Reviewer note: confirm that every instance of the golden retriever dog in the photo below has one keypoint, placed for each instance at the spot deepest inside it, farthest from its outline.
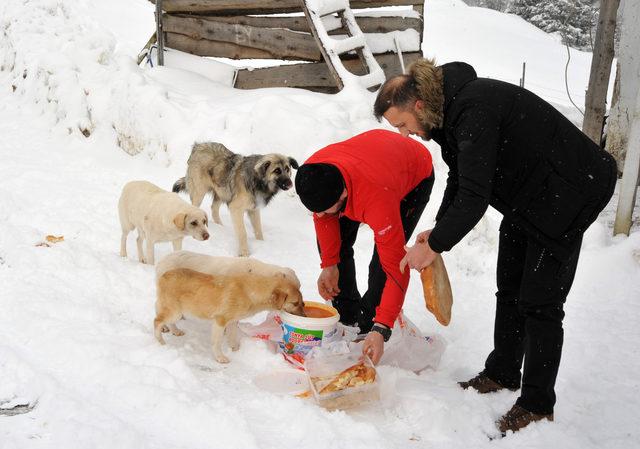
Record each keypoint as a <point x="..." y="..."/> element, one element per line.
<point x="159" y="216"/>
<point x="223" y="290"/>
<point x="244" y="183"/>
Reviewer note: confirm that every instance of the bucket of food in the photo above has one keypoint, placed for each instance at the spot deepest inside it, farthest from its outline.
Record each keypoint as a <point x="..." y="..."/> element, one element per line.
<point x="300" y="334"/>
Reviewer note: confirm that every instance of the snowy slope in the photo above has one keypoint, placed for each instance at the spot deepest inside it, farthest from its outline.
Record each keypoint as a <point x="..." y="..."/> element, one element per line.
<point x="76" y="324"/>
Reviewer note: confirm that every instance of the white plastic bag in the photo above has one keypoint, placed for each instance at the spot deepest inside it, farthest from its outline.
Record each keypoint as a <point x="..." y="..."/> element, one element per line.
<point x="408" y="348"/>
<point x="269" y="330"/>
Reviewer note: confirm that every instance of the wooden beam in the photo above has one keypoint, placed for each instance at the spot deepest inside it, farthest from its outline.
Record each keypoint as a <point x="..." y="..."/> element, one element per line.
<point x="239" y="7"/>
<point x="278" y="42"/>
<point x="420" y="10"/>
<point x="159" y="32"/>
<point x="315" y="76"/>
<point x="204" y="47"/>
<point x="299" y="23"/>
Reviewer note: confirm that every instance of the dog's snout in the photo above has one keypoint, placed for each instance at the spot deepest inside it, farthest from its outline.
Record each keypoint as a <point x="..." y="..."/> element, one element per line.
<point x="285" y="184"/>
<point x="205" y="236"/>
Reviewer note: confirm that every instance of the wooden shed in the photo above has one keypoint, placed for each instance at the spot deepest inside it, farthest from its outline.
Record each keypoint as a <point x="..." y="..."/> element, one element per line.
<point x="284" y="30"/>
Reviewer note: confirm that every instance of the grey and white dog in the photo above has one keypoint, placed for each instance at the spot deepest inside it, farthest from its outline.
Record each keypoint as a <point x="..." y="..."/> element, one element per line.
<point x="244" y="183"/>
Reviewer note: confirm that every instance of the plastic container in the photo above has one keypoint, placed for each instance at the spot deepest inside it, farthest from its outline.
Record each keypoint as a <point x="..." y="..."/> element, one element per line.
<point x="288" y="382"/>
<point x="301" y="334"/>
<point x="343" y="381"/>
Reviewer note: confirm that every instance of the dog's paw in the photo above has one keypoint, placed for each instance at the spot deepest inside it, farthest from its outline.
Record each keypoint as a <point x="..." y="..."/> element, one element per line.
<point x="234" y="347"/>
<point x="165" y="328"/>
<point x="177" y="332"/>
<point x="222" y="359"/>
<point x="243" y="253"/>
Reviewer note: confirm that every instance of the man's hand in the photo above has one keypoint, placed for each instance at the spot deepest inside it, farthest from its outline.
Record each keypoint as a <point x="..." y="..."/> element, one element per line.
<point x="328" y="282"/>
<point x="423" y="237"/>
<point x="373" y="346"/>
<point x="420" y="255"/>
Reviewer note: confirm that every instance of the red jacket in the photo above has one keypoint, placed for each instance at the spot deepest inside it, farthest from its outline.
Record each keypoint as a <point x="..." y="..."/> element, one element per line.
<point x="379" y="169"/>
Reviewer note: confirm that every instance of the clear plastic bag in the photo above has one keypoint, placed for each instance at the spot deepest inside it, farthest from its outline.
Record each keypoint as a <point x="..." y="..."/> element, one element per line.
<point x="408" y="348"/>
<point x="269" y="330"/>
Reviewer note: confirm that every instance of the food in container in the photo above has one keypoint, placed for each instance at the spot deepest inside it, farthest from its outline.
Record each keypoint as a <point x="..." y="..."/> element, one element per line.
<point x="343" y="381"/>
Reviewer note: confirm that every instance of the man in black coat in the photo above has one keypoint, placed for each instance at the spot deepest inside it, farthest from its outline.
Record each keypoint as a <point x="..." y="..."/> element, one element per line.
<point x="507" y="148"/>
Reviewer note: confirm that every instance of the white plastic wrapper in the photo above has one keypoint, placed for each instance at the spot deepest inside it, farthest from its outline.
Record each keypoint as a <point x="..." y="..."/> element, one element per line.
<point x="407" y="348"/>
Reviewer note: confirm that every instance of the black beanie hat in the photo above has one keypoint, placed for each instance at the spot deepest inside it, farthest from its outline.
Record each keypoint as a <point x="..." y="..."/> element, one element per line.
<point x="319" y="186"/>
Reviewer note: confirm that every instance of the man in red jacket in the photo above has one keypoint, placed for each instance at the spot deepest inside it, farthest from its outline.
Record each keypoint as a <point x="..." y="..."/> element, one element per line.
<point x="384" y="180"/>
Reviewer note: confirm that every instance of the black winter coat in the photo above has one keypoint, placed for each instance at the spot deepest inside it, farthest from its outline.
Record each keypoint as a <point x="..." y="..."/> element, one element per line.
<point x="508" y="148"/>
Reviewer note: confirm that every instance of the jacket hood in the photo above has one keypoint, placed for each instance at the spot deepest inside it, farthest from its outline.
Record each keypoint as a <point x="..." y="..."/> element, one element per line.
<point x="437" y="87"/>
<point x="455" y="76"/>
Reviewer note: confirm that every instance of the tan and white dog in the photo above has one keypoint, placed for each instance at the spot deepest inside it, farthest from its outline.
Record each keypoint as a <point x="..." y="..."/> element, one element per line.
<point x="223" y="290"/>
<point x="159" y="216"/>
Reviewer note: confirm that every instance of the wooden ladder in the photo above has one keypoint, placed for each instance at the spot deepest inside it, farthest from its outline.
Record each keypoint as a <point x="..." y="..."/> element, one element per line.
<point x="320" y="15"/>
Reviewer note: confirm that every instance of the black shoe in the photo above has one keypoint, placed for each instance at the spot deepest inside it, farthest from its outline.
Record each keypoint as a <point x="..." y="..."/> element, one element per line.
<point x="483" y="384"/>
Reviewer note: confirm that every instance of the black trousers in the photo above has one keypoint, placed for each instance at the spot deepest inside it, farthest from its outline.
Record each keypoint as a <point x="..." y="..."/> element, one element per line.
<point x="533" y="284"/>
<point x="360" y="310"/>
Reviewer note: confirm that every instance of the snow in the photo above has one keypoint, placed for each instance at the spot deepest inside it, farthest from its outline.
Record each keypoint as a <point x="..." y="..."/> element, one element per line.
<point x="76" y="338"/>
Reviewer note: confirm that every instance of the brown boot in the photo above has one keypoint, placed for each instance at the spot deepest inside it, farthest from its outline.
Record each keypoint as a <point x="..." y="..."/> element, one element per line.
<point x="482" y="384"/>
<point x="517" y="418"/>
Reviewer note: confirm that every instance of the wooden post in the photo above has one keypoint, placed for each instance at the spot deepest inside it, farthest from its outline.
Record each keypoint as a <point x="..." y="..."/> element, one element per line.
<point x="159" y="32"/>
<point x="630" y="175"/>
<point x="420" y="10"/>
<point x="596" y="98"/>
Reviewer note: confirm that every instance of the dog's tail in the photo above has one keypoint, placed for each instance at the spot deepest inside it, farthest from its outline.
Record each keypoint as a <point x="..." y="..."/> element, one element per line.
<point x="180" y="185"/>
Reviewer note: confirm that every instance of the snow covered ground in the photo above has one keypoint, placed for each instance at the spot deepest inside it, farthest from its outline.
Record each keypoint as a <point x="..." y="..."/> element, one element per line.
<point x="76" y="337"/>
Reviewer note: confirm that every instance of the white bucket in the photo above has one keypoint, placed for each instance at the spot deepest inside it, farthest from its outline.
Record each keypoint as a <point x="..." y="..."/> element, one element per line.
<point x="301" y="334"/>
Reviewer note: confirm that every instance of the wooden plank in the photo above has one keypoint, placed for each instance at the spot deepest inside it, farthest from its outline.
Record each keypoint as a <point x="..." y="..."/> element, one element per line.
<point x="279" y="43"/>
<point x="204" y="47"/>
<point x="238" y="7"/>
<point x="315" y="76"/>
<point x="299" y="23"/>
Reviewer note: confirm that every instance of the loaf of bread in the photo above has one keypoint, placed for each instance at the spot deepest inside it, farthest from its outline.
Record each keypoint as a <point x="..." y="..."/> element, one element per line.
<point x="437" y="290"/>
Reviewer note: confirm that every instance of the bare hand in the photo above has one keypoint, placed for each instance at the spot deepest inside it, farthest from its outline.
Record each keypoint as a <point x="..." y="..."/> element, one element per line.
<point x="373" y="346"/>
<point x="420" y="255"/>
<point x="328" y="282"/>
<point x="423" y="237"/>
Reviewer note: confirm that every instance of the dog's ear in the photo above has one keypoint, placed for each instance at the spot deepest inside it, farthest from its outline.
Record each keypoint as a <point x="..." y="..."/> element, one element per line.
<point x="179" y="220"/>
<point x="293" y="163"/>
<point x="278" y="297"/>
<point x="262" y="166"/>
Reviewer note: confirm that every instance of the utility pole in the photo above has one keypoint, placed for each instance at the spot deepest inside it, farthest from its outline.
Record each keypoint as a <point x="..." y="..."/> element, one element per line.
<point x="623" y="130"/>
<point x="596" y="98"/>
<point x="630" y="175"/>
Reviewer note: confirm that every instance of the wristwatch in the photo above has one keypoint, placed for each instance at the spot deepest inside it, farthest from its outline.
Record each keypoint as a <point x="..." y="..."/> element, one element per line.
<point x="382" y="330"/>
